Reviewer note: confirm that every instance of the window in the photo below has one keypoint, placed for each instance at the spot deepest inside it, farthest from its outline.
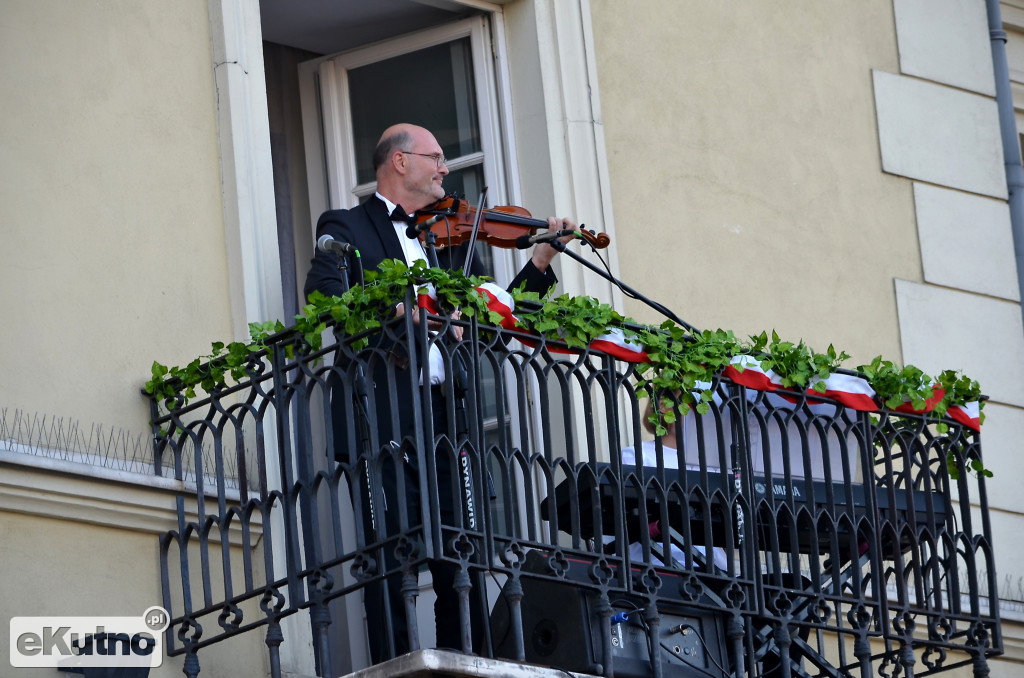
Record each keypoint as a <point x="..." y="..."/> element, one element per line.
<point x="440" y="79"/>
<point x="438" y="91"/>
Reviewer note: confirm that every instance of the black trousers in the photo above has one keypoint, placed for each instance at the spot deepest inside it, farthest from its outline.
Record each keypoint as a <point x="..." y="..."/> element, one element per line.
<point x="383" y="598"/>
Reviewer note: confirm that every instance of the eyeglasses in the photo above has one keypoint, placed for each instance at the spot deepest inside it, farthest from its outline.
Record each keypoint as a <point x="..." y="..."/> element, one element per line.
<point x="436" y="157"/>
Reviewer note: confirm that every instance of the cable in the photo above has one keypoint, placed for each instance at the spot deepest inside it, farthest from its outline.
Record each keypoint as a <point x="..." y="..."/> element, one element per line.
<point x="632" y="294"/>
<point x="633" y="607"/>
<point x="508" y="610"/>
<point x="694" y="666"/>
<point x="629" y="604"/>
<point x="707" y="650"/>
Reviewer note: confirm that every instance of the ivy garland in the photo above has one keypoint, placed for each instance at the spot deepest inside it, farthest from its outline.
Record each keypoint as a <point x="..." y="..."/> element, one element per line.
<point x="680" y="362"/>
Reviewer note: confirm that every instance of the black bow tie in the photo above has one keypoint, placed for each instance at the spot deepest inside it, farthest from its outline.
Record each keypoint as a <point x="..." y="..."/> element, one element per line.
<point x="398" y="214"/>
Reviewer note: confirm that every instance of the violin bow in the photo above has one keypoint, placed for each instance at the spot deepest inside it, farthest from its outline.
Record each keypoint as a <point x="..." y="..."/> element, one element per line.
<point x="476" y="230"/>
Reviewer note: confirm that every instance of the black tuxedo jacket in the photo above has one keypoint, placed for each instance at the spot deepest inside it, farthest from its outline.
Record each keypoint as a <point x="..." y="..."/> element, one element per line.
<point x="368" y="228"/>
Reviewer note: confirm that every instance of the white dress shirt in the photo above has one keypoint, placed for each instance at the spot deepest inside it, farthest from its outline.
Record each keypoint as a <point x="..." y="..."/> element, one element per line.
<point x="413" y="250"/>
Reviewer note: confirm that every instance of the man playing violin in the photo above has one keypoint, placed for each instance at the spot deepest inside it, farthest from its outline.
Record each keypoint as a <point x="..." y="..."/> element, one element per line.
<point x="410" y="169"/>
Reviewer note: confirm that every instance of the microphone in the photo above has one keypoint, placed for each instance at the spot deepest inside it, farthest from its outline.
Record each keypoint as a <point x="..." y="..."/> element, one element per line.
<point x="328" y="244"/>
<point x="414" y="230"/>
<point x="524" y="241"/>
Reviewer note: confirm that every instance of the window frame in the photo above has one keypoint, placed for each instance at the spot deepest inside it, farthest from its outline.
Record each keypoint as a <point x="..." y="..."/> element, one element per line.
<point x="327" y="123"/>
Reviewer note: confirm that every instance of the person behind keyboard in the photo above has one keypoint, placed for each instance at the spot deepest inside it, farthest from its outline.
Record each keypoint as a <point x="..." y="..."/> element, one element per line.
<point x="771" y="664"/>
<point x="670" y="459"/>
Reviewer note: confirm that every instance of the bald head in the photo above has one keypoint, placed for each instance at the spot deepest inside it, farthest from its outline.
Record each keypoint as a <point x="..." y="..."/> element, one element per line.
<point x="394" y="138"/>
<point x="406" y="172"/>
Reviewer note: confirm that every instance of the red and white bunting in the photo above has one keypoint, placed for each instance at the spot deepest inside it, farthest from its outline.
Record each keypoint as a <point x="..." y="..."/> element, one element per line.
<point x="427" y="298"/>
<point x="615" y="344"/>
<point x="746" y="371"/>
<point x="849" y="390"/>
<point x="968" y="414"/>
<point x="852" y="391"/>
<point x="501" y="302"/>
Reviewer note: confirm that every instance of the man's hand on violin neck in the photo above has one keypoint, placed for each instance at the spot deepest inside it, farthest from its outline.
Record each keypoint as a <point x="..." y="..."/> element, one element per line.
<point x="544" y="253"/>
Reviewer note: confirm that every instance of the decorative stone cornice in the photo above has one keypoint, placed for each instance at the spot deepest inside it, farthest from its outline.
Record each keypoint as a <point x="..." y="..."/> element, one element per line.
<point x="66" y="490"/>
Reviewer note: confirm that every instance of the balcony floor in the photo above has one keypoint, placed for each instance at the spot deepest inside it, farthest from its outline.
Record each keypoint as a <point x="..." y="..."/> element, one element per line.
<point x="445" y="663"/>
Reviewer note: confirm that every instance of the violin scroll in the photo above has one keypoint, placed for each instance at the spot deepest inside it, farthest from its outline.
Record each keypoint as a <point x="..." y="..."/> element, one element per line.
<point x="597" y="240"/>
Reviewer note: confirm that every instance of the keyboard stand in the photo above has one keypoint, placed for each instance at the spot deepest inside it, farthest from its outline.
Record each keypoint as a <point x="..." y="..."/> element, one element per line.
<point x="764" y="637"/>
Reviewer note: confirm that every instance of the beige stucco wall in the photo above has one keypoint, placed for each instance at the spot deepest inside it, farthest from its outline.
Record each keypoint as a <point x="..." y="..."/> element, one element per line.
<point x="744" y="162"/>
<point x="745" y="147"/>
<point x="75" y="545"/>
<point x="743" y="159"/>
<point x="111" y="224"/>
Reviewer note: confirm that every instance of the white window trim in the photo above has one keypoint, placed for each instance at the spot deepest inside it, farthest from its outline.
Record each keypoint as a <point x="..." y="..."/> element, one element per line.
<point x="247" y="177"/>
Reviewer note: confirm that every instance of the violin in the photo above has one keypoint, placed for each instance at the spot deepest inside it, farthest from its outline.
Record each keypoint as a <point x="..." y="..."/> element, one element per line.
<point x="500" y="226"/>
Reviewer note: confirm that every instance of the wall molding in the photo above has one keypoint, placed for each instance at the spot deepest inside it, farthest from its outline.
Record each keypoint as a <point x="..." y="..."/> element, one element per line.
<point x="72" y="491"/>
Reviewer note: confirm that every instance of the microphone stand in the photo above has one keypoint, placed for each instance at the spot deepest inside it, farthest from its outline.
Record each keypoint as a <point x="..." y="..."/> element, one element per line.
<point x="362" y="396"/>
<point x="343" y="272"/>
<point x="560" y="246"/>
<point x="362" y="400"/>
<point x="343" y="268"/>
<point x="458" y="381"/>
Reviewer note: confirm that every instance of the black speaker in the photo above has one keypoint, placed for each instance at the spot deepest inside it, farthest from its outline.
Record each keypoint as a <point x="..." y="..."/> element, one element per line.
<point x="557" y="628"/>
<point x="561" y="630"/>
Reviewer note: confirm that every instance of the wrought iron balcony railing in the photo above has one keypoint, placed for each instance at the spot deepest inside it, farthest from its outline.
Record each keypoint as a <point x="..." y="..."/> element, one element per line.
<point x="774" y="535"/>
